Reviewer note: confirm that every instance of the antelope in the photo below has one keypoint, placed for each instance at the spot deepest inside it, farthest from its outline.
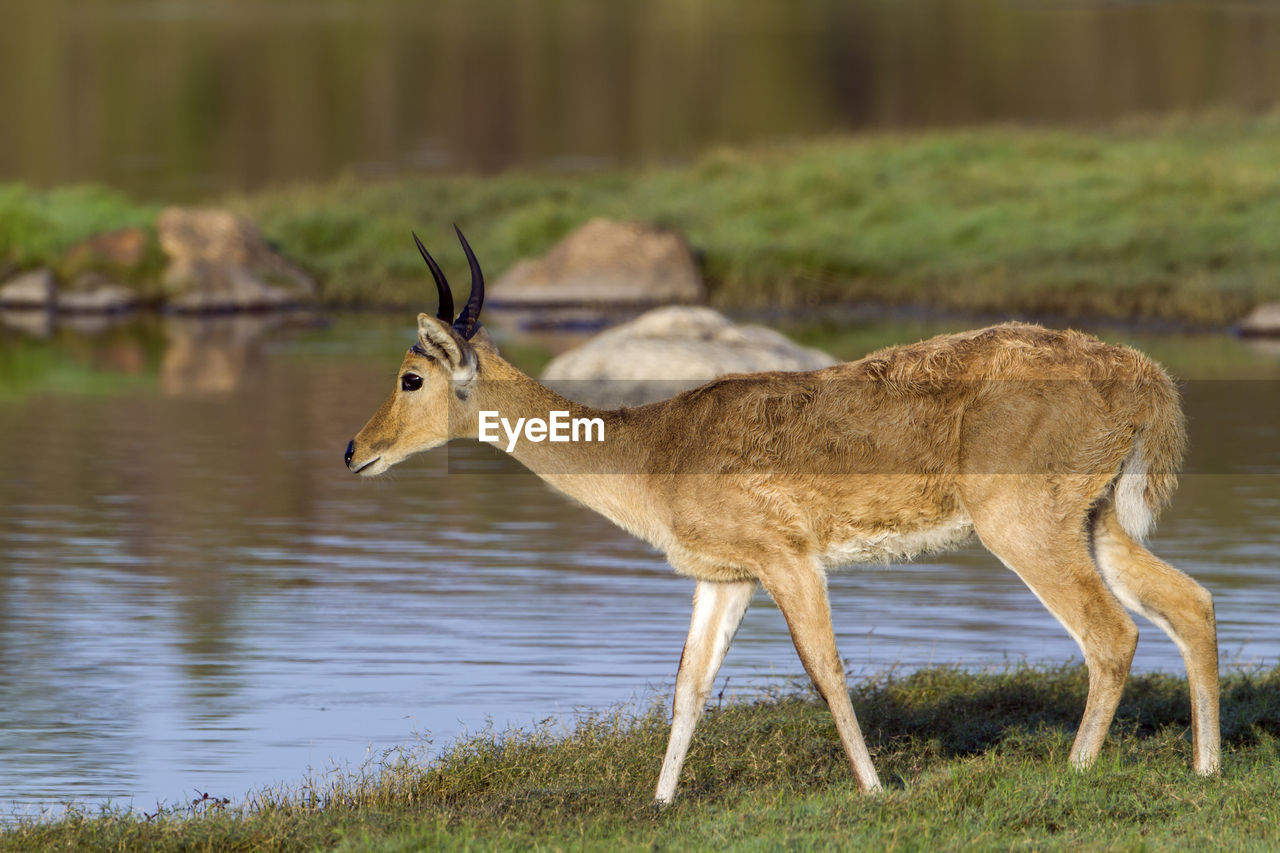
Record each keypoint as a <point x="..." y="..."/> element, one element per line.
<point x="1056" y="449"/>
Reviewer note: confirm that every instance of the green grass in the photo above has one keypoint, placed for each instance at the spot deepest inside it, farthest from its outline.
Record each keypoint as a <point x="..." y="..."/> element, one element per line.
<point x="969" y="761"/>
<point x="36" y="225"/>
<point x="1173" y="220"/>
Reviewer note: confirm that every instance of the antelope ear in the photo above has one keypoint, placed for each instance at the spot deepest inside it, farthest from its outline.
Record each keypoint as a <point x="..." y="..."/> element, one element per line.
<point x="447" y="346"/>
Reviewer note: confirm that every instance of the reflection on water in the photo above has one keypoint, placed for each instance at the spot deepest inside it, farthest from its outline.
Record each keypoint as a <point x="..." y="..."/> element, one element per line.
<point x="35" y="322"/>
<point x="205" y="355"/>
<point x="189" y="100"/>
<point x="196" y="595"/>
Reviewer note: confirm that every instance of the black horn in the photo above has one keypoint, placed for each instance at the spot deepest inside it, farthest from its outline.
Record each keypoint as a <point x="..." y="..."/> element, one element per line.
<point x="465" y="325"/>
<point x="442" y="284"/>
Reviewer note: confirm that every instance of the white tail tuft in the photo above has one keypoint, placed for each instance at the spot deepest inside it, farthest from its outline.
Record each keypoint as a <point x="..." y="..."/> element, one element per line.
<point x="1136" y="516"/>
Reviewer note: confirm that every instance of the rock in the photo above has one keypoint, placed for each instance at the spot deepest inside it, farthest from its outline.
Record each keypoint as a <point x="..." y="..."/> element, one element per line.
<point x="230" y="289"/>
<point x="219" y="261"/>
<point x="1263" y="321"/>
<point x="31" y="289"/>
<point x="95" y="293"/>
<point x="605" y="262"/>
<point x="669" y="350"/>
<point x="123" y="250"/>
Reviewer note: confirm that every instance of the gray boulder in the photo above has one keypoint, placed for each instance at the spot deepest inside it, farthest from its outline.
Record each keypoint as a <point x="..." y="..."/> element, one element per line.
<point x="219" y="261"/>
<point x="669" y="350"/>
<point x="32" y="289"/>
<point x="605" y="263"/>
<point x="1263" y="321"/>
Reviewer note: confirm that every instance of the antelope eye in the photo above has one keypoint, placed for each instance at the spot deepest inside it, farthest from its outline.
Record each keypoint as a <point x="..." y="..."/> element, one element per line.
<point x="410" y="382"/>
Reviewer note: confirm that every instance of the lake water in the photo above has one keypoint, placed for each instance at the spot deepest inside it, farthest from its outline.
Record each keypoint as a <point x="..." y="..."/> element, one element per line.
<point x="179" y="100"/>
<point x="196" y="596"/>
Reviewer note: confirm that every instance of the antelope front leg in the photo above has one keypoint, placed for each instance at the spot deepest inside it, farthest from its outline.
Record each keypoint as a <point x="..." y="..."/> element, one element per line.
<point x="800" y="591"/>
<point x="717" y="612"/>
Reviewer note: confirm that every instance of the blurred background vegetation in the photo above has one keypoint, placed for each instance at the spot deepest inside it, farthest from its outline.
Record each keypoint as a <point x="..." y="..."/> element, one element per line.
<point x="1061" y="161"/>
<point x="1084" y="159"/>
<point x="179" y="100"/>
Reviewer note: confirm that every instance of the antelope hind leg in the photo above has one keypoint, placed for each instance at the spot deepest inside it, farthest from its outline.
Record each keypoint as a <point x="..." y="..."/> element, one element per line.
<point x="1069" y="586"/>
<point x="1182" y="608"/>
<point x="1024" y="529"/>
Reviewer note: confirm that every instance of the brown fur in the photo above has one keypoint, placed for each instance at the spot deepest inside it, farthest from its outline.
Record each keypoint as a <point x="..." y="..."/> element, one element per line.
<point x="1051" y="446"/>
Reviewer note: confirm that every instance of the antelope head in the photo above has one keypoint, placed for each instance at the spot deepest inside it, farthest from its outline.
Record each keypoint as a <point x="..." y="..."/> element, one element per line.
<point x="431" y="403"/>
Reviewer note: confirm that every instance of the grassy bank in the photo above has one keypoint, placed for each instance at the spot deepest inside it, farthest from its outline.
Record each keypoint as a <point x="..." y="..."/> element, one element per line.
<point x="969" y="761"/>
<point x="1172" y="220"/>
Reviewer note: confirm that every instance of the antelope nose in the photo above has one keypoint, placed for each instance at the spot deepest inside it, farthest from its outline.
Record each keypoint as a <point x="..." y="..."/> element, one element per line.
<point x="351" y="451"/>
